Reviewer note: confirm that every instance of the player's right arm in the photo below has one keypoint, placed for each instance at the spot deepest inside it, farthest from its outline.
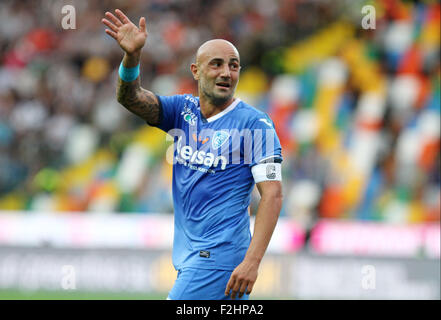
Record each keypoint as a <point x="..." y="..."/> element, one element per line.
<point x="131" y="39"/>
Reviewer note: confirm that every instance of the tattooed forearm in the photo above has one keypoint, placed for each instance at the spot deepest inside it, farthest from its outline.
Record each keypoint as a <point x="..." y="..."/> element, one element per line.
<point x="141" y="102"/>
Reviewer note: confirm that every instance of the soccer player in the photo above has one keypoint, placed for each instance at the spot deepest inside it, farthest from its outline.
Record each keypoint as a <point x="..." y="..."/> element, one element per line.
<point x="223" y="147"/>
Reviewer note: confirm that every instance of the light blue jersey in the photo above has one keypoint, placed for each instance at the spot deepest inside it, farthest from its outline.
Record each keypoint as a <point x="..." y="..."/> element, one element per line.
<point x="212" y="178"/>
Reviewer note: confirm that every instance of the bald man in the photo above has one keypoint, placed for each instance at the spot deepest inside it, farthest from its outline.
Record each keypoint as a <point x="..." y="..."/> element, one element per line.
<point x="223" y="147"/>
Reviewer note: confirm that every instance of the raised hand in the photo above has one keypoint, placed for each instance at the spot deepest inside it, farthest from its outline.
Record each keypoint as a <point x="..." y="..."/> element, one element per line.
<point x="130" y="37"/>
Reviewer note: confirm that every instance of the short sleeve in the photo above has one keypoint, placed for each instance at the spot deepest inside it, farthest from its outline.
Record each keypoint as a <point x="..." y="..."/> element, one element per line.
<point x="170" y="108"/>
<point x="266" y="144"/>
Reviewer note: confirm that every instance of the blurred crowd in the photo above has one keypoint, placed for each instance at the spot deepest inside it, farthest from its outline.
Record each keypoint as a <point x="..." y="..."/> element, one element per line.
<point x="357" y="110"/>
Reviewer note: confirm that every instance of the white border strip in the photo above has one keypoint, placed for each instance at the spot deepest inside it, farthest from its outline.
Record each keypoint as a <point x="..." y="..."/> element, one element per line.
<point x="225" y="111"/>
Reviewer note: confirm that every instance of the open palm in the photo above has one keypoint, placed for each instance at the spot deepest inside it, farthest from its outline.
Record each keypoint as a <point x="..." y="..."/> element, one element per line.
<point x="130" y="37"/>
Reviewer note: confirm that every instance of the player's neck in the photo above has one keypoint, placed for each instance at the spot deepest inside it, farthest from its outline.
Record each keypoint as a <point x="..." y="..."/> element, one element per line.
<point x="208" y="109"/>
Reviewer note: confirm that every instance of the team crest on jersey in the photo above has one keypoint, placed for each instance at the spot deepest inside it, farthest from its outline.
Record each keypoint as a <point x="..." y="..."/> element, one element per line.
<point x="219" y="138"/>
<point x="189" y="116"/>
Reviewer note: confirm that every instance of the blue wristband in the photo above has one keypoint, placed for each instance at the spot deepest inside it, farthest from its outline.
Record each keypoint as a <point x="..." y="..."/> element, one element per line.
<point x="128" y="74"/>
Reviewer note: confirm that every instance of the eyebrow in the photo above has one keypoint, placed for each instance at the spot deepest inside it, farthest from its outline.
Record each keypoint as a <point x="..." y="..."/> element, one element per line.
<point x="220" y="59"/>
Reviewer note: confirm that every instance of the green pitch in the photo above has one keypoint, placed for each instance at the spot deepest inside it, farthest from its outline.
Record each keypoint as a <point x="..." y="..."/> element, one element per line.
<point x="76" y="295"/>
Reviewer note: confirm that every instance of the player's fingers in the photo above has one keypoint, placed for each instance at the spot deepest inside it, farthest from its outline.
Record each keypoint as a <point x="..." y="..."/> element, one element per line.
<point x="235" y="289"/>
<point x="142" y="25"/>
<point x="112" y="34"/>
<point x="250" y="287"/>
<point x="114" y="19"/>
<point x="230" y="285"/>
<point x="242" y="288"/>
<point x="110" y="25"/>
<point x="122" y="16"/>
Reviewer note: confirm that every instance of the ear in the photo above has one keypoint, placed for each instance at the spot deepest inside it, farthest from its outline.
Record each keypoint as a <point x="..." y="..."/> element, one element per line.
<point x="195" y="71"/>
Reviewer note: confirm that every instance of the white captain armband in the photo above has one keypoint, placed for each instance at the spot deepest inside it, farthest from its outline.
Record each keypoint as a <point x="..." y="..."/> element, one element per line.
<point x="267" y="171"/>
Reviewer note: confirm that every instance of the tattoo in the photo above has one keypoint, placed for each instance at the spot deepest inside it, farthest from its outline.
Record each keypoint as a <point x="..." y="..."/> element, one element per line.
<point x="141" y="102"/>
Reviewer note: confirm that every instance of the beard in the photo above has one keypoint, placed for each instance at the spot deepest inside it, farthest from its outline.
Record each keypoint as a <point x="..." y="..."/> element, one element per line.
<point x="216" y="98"/>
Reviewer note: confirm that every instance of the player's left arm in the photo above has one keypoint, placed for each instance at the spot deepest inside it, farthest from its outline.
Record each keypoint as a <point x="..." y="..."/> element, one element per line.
<point x="245" y="274"/>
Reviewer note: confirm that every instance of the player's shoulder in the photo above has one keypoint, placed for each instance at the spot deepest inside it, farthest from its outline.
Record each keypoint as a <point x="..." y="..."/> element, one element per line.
<point x="186" y="99"/>
<point x="250" y="112"/>
<point x="191" y="99"/>
<point x="253" y="115"/>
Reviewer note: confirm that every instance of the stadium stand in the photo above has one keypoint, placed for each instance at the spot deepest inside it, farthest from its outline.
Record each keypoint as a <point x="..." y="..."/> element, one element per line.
<point x="357" y="111"/>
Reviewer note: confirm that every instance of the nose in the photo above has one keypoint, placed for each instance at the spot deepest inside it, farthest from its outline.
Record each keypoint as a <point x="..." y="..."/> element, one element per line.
<point x="225" y="72"/>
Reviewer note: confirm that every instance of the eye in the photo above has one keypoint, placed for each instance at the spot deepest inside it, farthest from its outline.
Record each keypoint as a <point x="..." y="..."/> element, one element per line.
<point x="216" y="64"/>
<point x="234" y="66"/>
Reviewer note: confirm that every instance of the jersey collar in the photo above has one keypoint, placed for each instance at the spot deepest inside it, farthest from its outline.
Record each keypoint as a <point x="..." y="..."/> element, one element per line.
<point x="225" y="111"/>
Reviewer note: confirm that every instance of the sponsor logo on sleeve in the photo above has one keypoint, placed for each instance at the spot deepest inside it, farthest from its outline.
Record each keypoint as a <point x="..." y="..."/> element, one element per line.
<point x="189" y="116"/>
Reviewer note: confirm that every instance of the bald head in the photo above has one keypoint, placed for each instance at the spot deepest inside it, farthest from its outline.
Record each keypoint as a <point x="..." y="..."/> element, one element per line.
<point x="211" y="47"/>
<point x="216" y="69"/>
